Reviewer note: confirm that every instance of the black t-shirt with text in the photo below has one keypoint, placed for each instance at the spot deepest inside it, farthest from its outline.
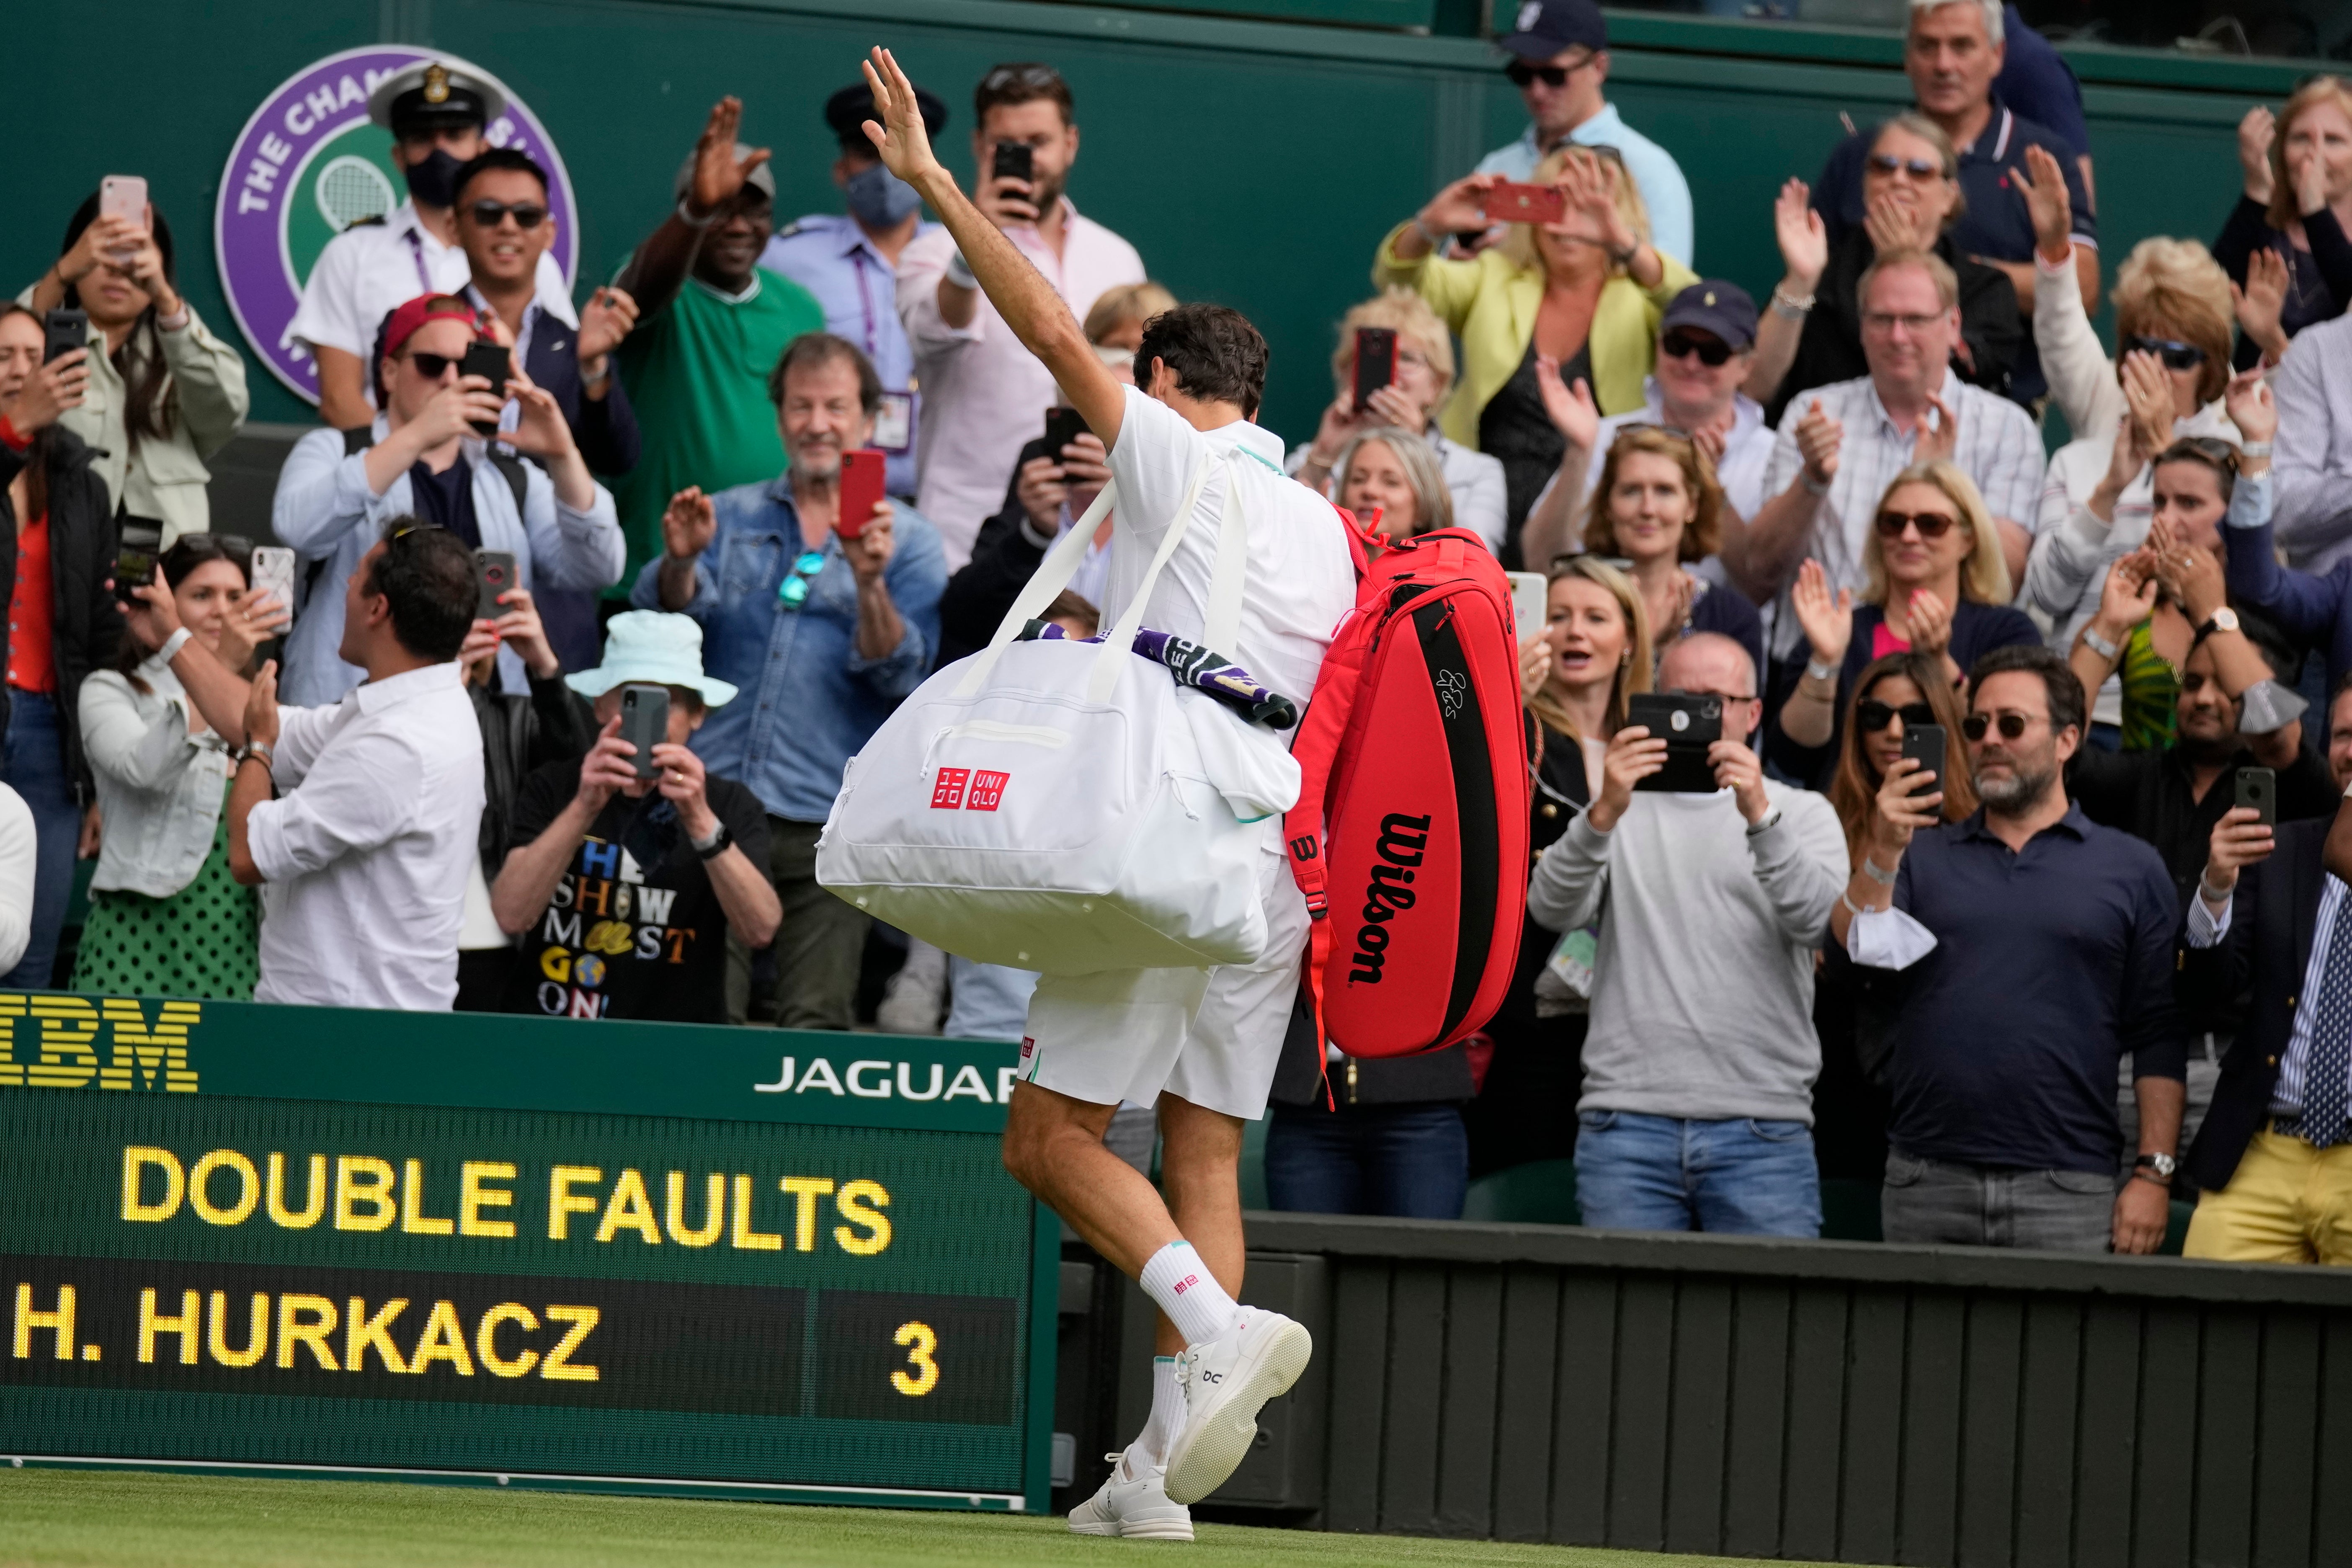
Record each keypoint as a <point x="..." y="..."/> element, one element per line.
<point x="634" y="928"/>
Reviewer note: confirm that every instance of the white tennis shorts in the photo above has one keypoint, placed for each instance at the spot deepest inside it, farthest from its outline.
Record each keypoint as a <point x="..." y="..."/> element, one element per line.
<point x="1212" y="1037"/>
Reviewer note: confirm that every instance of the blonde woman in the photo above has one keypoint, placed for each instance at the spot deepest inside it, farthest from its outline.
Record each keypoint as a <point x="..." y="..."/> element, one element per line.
<point x="1936" y="584"/>
<point x="2286" y="243"/>
<point x="1394" y="473"/>
<point x="1583" y="295"/>
<point x="1594" y="652"/>
<point x="1422" y="377"/>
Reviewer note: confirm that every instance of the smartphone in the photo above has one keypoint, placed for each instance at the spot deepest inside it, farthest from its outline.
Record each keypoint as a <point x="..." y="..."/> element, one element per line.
<point x="134" y="558"/>
<point x="1062" y="425"/>
<point x="489" y="361"/>
<point x="1924" y="744"/>
<point x="862" y="482"/>
<point x="2258" y="787"/>
<point x="645" y="723"/>
<point x="1688" y="725"/>
<point x="1014" y="161"/>
<point x="494" y="574"/>
<point x="1512" y="202"/>
<point x="64" y="330"/>
<point x="123" y="196"/>
<point x="1530" y="602"/>
<point x="273" y="573"/>
<point x="1375" y="362"/>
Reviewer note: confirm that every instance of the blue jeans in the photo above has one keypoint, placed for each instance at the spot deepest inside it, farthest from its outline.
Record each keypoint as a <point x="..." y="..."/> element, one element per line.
<point x="1743" y="1177"/>
<point x="1408" y="1161"/>
<point x="36" y="770"/>
<point x="990" y="1001"/>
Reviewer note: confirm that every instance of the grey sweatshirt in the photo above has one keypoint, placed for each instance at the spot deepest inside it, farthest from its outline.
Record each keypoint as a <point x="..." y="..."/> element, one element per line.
<point x="1703" y="981"/>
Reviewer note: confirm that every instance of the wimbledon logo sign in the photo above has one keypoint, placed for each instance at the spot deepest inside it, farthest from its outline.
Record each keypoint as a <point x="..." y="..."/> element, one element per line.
<point x="307" y="166"/>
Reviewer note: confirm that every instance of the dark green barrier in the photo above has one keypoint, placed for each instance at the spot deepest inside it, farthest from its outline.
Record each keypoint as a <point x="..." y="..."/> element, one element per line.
<point x="730" y="1261"/>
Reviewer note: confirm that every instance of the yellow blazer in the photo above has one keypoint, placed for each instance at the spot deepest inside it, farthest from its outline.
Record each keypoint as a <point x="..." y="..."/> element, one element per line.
<point x="1491" y="304"/>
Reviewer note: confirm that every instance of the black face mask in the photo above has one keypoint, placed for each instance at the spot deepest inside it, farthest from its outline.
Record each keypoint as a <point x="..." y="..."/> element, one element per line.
<point x="434" y="182"/>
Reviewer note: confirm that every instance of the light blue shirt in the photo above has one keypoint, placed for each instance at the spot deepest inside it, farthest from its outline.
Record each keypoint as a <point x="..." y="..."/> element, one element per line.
<point x="805" y="701"/>
<point x="1655" y="175"/>
<point x="828" y="254"/>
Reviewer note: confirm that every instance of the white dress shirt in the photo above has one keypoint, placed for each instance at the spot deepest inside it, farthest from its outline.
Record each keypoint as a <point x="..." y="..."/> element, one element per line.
<point x="363" y="854"/>
<point x="984" y="396"/>
<point x="1997" y="448"/>
<point x="371" y="269"/>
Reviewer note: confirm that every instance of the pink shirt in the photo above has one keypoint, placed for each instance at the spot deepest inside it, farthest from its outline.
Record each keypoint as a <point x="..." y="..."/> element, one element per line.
<point x="984" y="396"/>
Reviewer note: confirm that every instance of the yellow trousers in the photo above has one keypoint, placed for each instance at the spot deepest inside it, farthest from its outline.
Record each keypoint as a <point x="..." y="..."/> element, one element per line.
<point x="2287" y="1203"/>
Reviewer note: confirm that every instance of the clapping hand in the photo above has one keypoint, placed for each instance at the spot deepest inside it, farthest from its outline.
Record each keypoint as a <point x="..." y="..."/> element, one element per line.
<point x="1929" y="621"/>
<point x="1804" y="242"/>
<point x="1827" y="619"/>
<point x="2128" y="597"/>
<point x="1819" y="438"/>
<point x="689" y="524"/>
<point x="719" y="173"/>
<point x="1573" y="413"/>
<point x="2047" y="204"/>
<point x="2258" y="305"/>
<point x="608" y="318"/>
<point x="1937" y="442"/>
<point x="2254" y="134"/>
<point x="2252" y="409"/>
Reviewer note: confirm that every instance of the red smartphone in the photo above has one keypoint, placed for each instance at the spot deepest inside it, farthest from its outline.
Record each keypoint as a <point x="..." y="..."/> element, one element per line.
<point x="861" y="490"/>
<point x="1509" y="203"/>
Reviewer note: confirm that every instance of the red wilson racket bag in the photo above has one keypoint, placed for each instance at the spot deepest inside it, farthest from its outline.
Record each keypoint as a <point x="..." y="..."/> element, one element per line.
<point x="1410" y="837"/>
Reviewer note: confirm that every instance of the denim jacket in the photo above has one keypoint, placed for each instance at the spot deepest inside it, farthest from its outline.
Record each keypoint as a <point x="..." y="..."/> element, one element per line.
<point x="159" y="787"/>
<point x="807" y="701"/>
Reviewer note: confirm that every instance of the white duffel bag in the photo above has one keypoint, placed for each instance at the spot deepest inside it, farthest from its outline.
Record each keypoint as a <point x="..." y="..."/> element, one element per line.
<point x="1067" y="806"/>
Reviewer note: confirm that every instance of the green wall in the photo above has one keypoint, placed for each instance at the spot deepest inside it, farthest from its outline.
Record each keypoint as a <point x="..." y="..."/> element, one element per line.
<point x="1256" y="164"/>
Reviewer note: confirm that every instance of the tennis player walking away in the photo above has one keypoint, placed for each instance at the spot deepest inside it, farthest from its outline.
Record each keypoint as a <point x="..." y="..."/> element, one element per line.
<point x="1203" y="1045"/>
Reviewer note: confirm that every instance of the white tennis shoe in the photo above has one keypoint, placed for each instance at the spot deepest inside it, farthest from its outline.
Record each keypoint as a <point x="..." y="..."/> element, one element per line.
<point x="1132" y="1502"/>
<point x="1226" y="1381"/>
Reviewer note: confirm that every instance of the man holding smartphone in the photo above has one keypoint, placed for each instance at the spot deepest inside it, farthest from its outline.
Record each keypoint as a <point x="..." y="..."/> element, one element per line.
<point x="983" y="391"/>
<point x="1701" y="1056"/>
<point x="826" y="622"/>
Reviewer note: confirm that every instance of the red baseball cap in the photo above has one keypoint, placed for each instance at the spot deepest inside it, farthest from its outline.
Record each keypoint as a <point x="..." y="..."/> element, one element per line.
<point x="402" y="324"/>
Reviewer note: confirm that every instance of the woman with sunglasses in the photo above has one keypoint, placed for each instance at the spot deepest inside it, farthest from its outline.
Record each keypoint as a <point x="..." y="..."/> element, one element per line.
<point x="165" y="918"/>
<point x="1574" y="680"/>
<point x="1582" y="293"/>
<point x="1657" y="506"/>
<point x="1892" y="695"/>
<point x="1936" y="584"/>
<point x="1811" y="335"/>
<point x="2287" y="236"/>
<point x="164" y="393"/>
<point x="2153" y="601"/>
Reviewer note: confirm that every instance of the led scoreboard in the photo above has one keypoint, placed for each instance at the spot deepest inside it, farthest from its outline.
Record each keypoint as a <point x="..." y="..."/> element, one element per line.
<point x="519" y="1251"/>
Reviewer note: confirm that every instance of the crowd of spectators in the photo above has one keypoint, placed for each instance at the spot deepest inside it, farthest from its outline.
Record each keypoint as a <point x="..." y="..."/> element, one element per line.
<point x="551" y="711"/>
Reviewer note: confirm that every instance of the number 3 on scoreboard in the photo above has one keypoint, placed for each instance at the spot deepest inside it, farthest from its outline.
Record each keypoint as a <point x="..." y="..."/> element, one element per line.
<point x="920" y="1341"/>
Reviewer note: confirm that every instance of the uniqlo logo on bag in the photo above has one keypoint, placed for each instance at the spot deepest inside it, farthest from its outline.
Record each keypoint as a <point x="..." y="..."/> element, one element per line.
<point x="947" y="794"/>
<point x="987" y="790"/>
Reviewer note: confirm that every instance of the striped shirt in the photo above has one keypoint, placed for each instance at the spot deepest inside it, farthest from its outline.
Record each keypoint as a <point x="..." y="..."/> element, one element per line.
<point x="2207" y="929"/>
<point x="1997" y="448"/>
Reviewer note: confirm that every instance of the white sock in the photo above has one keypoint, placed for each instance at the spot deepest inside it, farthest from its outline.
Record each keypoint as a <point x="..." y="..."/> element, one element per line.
<point x="1181" y="1285"/>
<point x="1167" y="1412"/>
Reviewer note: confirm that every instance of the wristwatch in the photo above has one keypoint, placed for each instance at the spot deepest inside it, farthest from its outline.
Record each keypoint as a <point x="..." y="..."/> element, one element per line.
<point x="2224" y="619"/>
<point x="717" y="846"/>
<point x="261" y="749"/>
<point x="2162" y="1165"/>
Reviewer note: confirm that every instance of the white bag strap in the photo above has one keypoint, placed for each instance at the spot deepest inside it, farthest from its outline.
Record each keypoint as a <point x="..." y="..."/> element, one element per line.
<point x="1121" y="641"/>
<point x="1222" y="628"/>
<point x="1052" y="575"/>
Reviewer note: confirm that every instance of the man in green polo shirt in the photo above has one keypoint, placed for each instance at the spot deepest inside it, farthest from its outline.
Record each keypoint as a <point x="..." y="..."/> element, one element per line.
<point x="711" y="327"/>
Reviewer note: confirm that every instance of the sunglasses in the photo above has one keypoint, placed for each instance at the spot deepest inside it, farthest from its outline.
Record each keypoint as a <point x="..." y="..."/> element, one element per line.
<point x="526" y="215"/>
<point x="2175" y="356"/>
<point x="1523" y="73"/>
<point x="231" y="543"/>
<point x="2011" y="725"/>
<point x="1712" y="351"/>
<point x="1930" y="524"/>
<point x="1873" y="715"/>
<point x="433" y="367"/>
<point x="793" y="591"/>
<point x="1918" y="168"/>
<point x="1031" y="77"/>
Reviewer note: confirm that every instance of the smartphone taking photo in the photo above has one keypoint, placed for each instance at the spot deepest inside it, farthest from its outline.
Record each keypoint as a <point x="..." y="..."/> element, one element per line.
<point x="124" y="197"/>
<point x="489" y="361"/>
<point x="1924" y="744"/>
<point x="272" y="573"/>
<point x="1014" y="161"/>
<point x="1062" y="425"/>
<point x="135" y="558"/>
<point x="1530" y="602"/>
<point x="2258" y="788"/>
<point x="645" y="723"/>
<point x="863" y="483"/>
<point x="494" y="574"/>
<point x="1375" y="363"/>
<point x="1688" y="725"/>
<point x="1514" y="203"/>
<point x="62" y="332"/>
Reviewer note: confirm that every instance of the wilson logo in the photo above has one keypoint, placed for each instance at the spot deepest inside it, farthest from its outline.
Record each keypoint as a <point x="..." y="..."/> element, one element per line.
<point x="965" y="789"/>
<point x="1403" y="839"/>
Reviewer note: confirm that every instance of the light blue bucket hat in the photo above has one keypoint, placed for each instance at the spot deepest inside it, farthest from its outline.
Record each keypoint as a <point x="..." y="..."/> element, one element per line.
<point x="655" y="649"/>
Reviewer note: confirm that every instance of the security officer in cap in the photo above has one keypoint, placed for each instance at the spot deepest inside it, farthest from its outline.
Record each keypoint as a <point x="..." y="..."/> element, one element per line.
<point x="851" y="263"/>
<point x="437" y="112"/>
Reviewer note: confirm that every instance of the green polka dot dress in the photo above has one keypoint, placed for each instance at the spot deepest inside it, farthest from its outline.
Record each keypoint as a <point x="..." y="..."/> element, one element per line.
<point x="203" y="942"/>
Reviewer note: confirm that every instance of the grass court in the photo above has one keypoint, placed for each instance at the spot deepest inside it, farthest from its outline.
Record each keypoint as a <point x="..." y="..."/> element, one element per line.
<point x="125" y="1519"/>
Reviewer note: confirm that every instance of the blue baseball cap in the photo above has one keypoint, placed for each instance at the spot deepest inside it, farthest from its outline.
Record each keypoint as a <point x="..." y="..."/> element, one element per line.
<point x="1714" y="305"/>
<point x="1544" y="27"/>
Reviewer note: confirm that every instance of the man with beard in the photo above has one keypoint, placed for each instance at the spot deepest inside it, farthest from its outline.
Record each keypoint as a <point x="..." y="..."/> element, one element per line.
<point x="2013" y="958"/>
<point x="823" y="634"/>
<point x="710" y="326"/>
